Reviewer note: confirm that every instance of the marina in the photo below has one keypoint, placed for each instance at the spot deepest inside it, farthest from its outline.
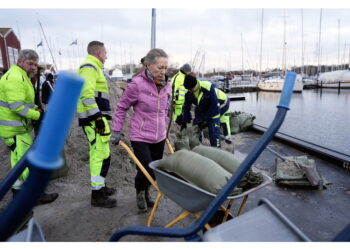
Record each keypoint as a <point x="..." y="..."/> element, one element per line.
<point x="301" y="126"/>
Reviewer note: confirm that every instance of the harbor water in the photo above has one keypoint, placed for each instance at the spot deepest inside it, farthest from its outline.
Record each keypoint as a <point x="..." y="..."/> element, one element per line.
<point x="318" y="116"/>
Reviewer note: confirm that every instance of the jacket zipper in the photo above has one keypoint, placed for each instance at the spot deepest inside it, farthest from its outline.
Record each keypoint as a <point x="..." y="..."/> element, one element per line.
<point x="157" y="115"/>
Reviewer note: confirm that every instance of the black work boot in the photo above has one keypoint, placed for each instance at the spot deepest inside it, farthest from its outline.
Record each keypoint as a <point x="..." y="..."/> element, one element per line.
<point x="47" y="198"/>
<point x="141" y="201"/>
<point x="149" y="201"/>
<point x="100" y="199"/>
<point x="108" y="190"/>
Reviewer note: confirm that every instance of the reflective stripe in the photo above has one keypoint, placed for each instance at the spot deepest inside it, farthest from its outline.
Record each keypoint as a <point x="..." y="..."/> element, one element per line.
<point x="89" y="101"/>
<point x="106" y="112"/>
<point x="97" y="187"/>
<point x="11" y="123"/>
<point x="98" y="179"/>
<point x="18" y="184"/>
<point x="15" y="105"/>
<point x="24" y="111"/>
<point x="180" y="94"/>
<point x="4" y="104"/>
<point x="88" y="113"/>
<point x="223" y="105"/>
<point x="100" y="94"/>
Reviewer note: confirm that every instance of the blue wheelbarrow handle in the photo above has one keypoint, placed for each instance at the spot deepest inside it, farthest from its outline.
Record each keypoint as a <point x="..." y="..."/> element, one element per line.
<point x="44" y="155"/>
<point x="190" y="233"/>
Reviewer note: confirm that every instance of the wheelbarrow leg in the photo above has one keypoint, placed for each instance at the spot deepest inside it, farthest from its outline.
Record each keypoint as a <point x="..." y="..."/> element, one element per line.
<point x="154" y="209"/>
<point x="197" y="215"/>
<point x="182" y="216"/>
<point x="227" y="210"/>
<point x="241" y="208"/>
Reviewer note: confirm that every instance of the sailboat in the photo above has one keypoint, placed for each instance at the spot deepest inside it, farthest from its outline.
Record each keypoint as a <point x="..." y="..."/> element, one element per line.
<point x="275" y="82"/>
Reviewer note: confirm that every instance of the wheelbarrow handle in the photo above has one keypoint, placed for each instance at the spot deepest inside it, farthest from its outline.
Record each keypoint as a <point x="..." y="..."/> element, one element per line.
<point x="44" y="155"/>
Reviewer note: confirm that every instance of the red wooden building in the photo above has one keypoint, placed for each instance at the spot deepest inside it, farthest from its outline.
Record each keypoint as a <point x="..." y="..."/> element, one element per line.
<point x="9" y="48"/>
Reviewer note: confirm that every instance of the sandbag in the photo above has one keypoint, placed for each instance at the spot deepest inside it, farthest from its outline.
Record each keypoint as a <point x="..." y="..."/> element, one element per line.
<point x="297" y="171"/>
<point x="240" y="122"/>
<point x="197" y="170"/>
<point x="187" y="138"/>
<point x="230" y="163"/>
<point x="221" y="157"/>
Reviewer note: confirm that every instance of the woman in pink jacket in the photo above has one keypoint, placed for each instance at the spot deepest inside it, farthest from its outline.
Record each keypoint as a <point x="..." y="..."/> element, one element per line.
<point x="149" y="94"/>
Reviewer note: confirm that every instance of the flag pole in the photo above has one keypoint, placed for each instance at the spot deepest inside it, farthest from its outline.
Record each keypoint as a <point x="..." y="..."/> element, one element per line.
<point x="53" y="59"/>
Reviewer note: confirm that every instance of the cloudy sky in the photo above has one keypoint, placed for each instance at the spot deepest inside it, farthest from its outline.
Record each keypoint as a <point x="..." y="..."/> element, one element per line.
<point x="217" y="35"/>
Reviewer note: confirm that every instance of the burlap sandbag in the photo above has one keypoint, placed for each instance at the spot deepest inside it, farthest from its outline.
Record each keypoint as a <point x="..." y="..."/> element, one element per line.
<point x="221" y="157"/>
<point x="231" y="164"/>
<point x="196" y="169"/>
<point x="187" y="139"/>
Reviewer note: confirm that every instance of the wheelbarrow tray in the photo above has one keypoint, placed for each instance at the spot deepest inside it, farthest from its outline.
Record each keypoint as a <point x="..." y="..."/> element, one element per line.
<point x="188" y="196"/>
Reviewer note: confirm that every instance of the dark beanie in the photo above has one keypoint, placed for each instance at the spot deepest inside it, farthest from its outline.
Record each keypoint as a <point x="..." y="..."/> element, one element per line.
<point x="186" y="68"/>
<point x="190" y="82"/>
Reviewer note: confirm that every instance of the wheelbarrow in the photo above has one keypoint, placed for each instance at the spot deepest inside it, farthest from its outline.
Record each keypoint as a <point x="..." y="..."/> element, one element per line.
<point x="191" y="233"/>
<point x="42" y="159"/>
<point x="194" y="199"/>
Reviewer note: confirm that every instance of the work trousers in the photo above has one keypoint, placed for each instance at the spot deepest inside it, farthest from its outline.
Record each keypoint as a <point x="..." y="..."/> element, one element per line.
<point x="99" y="155"/>
<point x="213" y="126"/>
<point x="146" y="153"/>
<point x="19" y="145"/>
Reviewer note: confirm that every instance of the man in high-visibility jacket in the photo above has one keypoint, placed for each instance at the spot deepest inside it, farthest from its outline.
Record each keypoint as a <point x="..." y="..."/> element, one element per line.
<point x="18" y="111"/>
<point x="224" y="104"/>
<point x="179" y="91"/>
<point x="207" y="113"/>
<point x="94" y="111"/>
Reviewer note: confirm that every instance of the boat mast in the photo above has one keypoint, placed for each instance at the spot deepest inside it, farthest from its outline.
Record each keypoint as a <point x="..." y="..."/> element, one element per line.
<point x="319" y="45"/>
<point x="302" y="42"/>
<point x="261" y="40"/>
<point x="339" y="67"/>
<point x="242" y="54"/>
<point x="284" y="44"/>
<point x="153" y="29"/>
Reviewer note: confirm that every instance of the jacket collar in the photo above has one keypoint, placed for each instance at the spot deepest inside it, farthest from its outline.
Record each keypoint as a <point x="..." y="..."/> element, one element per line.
<point x="18" y="68"/>
<point x="94" y="60"/>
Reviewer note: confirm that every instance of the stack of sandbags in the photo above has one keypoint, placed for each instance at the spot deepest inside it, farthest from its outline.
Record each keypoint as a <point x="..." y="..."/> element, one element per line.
<point x="208" y="168"/>
<point x="197" y="170"/>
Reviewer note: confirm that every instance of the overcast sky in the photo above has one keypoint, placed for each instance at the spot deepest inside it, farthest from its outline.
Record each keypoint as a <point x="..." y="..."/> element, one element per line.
<point x="219" y="33"/>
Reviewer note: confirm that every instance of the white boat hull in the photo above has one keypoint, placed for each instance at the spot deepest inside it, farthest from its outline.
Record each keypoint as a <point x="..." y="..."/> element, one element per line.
<point x="276" y="85"/>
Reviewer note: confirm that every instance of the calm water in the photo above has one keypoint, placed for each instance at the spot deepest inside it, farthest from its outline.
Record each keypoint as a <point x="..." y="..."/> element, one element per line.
<point x="323" y="119"/>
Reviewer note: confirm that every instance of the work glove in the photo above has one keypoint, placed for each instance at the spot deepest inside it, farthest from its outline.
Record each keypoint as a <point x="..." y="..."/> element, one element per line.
<point x="115" y="137"/>
<point x="202" y="124"/>
<point x="99" y="126"/>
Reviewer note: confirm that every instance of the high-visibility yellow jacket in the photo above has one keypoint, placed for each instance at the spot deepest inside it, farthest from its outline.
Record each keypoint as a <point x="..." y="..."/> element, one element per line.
<point x="94" y="98"/>
<point x="17" y="107"/>
<point x="178" y="92"/>
<point x="222" y="97"/>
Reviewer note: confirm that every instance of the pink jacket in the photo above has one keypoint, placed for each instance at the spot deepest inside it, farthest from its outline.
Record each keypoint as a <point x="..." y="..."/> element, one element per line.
<point x="149" y="120"/>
